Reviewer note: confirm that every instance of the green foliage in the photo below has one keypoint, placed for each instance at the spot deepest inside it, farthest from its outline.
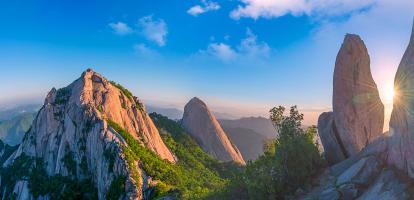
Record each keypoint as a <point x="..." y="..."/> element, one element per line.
<point x="100" y="108"/>
<point x="84" y="165"/>
<point x="87" y="127"/>
<point x="13" y="173"/>
<point x="62" y="96"/>
<point x="288" y="163"/>
<point x="69" y="162"/>
<point x="124" y="91"/>
<point x="59" y="187"/>
<point x="192" y="177"/>
<point x="110" y="157"/>
<point x="117" y="188"/>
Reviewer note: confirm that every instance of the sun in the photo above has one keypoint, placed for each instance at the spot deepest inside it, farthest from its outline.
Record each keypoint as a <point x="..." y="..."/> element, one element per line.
<point x="389" y="94"/>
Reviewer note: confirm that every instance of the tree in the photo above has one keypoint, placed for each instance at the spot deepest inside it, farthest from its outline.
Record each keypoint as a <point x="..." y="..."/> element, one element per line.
<point x="296" y="153"/>
<point x="289" y="161"/>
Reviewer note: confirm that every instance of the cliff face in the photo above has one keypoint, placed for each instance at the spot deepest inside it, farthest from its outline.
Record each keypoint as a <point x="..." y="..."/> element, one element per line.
<point x="70" y="134"/>
<point x="402" y="118"/>
<point x="201" y="124"/>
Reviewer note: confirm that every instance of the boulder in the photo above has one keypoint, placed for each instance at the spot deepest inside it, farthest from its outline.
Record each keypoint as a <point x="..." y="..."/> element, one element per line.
<point x="333" y="149"/>
<point x="358" y="112"/>
<point x="386" y="187"/>
<point x="362" y="172"/>
<point x="200" y="123"/>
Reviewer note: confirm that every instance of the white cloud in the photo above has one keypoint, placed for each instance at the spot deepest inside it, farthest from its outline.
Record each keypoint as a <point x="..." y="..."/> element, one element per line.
<point x="120" y="28"/>
<point x="248" y="48"/>
<point x="205" y="7"/>
<point x="277" y="8"/>
<point x="222" y="51"/>
<point x="251" y="48"/>
<point x="154" y="30"/>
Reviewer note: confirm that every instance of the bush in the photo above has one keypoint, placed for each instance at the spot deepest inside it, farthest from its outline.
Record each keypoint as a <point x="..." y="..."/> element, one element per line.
<point x="117" y="188"/>
<point x="288" y="163"/>
<point x="124" y="91"/>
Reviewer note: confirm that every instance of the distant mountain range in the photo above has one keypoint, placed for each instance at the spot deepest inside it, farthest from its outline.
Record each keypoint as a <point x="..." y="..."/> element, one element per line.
<point x="14" y="122"/>
<point x="13" y="130"/>
<point x="260" y="125"/>
<point x="174" y="113"/>
<point x="249" y="142"/>
<point x="10" y="113"/>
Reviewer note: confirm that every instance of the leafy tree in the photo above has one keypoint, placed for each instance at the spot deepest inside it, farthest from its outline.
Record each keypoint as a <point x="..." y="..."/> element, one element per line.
<point x="288" y="163"/>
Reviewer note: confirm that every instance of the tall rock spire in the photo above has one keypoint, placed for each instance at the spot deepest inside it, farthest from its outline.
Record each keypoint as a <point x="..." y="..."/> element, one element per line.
<point x="358" y="113"/>
<point x="358" y="110"/>
<point x="401" y="148"/>
<point x="201" y="124"/>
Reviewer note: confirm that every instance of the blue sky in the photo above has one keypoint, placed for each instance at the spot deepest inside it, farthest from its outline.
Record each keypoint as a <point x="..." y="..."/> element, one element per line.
<point x="241" y="57"/>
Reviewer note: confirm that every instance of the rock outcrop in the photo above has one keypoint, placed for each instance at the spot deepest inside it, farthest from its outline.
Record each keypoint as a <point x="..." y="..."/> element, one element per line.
<point x="358" y="113"/>
<point x="203" y="127"/>
<point x="72" y="127"/>
<point x="401" y="131"/>
<point x="333" y="149"/>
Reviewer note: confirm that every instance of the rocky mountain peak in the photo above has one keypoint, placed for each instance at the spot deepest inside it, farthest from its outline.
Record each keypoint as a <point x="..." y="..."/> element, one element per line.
<point x="202" y="125"/>
<point x="72" y="135"/>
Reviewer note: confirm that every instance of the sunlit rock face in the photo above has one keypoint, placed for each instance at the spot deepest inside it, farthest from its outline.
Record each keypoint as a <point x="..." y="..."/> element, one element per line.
<point x="73" y="120"/>
<point x="357" y="108"/>
<point x="401" y="150"/>
<point x="201" y="124"/>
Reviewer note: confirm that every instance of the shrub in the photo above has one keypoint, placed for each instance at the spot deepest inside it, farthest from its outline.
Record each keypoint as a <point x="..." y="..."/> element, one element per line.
<point x="288" y="163"/>
<point x="117" y="188"/>
<point x="124" y="91"/>
<point x="69" y="162"/>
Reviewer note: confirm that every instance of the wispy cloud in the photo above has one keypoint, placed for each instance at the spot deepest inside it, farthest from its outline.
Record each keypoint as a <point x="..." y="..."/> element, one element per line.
<point x="222" y="51"/>
<point x="248" y="48"/>
<point x="145" y="51"/>
<point x="154" y="30"/>
<point x="276" y="8"/>
<point x="203" y="8"/>
<point x="121" y="28"/>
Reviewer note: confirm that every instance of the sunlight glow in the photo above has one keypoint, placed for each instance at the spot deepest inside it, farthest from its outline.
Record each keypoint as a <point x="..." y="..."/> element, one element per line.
<point x="389" y="94"/>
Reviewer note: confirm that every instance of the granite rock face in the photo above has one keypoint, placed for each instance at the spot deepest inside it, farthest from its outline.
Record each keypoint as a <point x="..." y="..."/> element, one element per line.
<point x="73" y="121"/>
<point x="358" y="113"/>
<point x="357" y="107"/>
<point x="401" y="148"/>
<point x="203" y="127"/>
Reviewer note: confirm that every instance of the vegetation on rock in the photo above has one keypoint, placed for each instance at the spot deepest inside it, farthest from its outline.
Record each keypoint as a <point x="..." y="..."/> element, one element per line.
<point x="124" y="91"/>
<point x="196" y="175"/>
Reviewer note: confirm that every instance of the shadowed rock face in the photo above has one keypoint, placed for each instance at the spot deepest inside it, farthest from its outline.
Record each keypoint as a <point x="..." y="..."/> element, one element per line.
<point x="401" y="150"/>
<point x="73" y="120"/>
<point x="201" y="124"/>
<point x="358" y="113"/>
<point x="333" y="149"/>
